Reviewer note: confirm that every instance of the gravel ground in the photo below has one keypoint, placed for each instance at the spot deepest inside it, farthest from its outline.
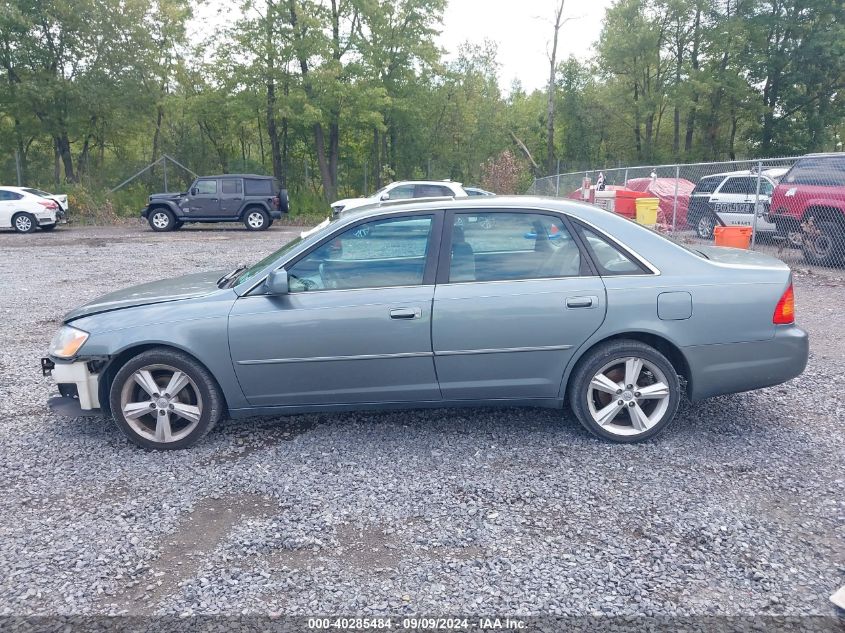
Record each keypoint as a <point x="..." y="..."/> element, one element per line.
<point x="738" y="508"/>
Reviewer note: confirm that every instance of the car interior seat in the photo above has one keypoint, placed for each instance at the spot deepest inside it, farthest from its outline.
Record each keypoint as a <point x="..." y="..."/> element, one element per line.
<point x="463" y="257"/>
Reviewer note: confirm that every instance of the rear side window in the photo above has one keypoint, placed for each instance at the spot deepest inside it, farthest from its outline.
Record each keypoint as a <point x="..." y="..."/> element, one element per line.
<point x="231" y="185"/>
<point x="739" y="185"/>
<point x="821" y="171"/>
<point x="707" y="185"/>
<point x="258" y="187"/>
<point x="432" y="191"/>
<point x="609" y="259"/>
<point x="511" y="246"/>
<point x="9" y="195"/>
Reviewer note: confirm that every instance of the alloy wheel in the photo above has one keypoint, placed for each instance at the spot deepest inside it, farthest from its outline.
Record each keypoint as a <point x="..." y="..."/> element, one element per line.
<point x="23" y="223"/>
<point x="160" y="220"/>
<point x="255" y="220"/>
<point x="704" y="228"/>
<point x="161" y="403"/>
<point x="628" y="396"/>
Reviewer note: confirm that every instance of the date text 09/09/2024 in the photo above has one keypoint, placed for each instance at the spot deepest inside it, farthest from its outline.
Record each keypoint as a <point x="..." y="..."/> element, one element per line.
<point x="417" y="623"/>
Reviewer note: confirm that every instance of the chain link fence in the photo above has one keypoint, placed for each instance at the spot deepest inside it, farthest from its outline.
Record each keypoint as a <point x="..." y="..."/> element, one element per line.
<point x="791" y="207"/>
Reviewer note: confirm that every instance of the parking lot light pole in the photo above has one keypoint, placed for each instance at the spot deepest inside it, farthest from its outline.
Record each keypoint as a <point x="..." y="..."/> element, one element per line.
<point x="756" y="204"/>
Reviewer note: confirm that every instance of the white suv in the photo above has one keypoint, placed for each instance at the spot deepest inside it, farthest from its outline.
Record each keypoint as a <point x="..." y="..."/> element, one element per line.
<point x="730" y="197"/>
<point x="404" y="190"/>
<point x="25" y="212"/>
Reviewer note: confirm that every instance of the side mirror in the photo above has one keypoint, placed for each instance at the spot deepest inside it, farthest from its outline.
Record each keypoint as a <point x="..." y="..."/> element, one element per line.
<point x="385" y="196"/>
<point x="194" y="191"/>
<point x="277" y="282"/>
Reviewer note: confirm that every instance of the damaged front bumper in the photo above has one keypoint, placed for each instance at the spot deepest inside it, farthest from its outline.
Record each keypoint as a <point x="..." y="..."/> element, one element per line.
<point x="79" y="386"/>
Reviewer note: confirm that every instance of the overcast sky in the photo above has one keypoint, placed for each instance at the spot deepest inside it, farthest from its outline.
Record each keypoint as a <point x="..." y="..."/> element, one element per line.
<point x="521" y="28"/>
<point x="523" y="31"/>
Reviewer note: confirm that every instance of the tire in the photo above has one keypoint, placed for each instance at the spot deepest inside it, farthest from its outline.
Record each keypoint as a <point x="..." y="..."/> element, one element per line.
<point x="826" y="247"/>
<point x="704" y="226"/>
<point x="48" y="227"/>
<point x="24" y="222"/>
<point x="161" y="220"/>
<point x="592" y="399"/>
<point x="256" y="219"/>
<point x="154" y="422"/>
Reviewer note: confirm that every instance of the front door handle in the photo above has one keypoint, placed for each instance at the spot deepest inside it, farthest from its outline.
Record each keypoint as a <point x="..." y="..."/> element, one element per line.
<point x="580" y="302"/>
<point x="405" y="313"/>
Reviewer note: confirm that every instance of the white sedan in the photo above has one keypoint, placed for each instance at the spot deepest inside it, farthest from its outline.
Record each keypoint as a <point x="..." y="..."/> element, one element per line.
<point x="404" y="190"/>
<point x="25" y="212"/>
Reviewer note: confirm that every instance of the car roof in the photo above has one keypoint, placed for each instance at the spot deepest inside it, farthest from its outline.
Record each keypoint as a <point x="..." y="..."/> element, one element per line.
<point x="425" y="182"/>
<point x="577" y="209"/>
<point x="238" y="176"/>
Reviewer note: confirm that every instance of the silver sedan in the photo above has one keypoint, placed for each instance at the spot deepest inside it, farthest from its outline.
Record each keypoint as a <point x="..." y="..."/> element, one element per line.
<point x="492" y="301"/>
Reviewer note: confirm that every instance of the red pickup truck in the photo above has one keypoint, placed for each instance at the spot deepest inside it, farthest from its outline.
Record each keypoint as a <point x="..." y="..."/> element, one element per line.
<point x="810" y="201"/>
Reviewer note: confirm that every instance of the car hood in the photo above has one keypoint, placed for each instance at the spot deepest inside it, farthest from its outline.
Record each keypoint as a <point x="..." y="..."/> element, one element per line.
<point x="187" y="287"/>
<point x="166" y="196"/>
<point x="351" y="203"/>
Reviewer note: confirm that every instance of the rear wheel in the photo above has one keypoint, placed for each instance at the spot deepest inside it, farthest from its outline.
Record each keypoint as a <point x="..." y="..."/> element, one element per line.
<point x="823" y="243"/>
<point x="165" y="400"/>
<point x="256" y="219"/>
<point x="624" y="391"/>
<point x="161" y="220"/>
<point x="24" y="222"/>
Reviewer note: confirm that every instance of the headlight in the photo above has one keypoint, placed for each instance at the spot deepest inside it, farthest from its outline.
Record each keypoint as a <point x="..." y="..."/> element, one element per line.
<point x="67" y="342"/>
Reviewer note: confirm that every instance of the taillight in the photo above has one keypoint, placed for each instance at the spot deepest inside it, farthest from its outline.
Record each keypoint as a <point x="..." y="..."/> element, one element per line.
<point x="276" y="202"/>
<point x="785" y="309"/>
<point x="49" y="204"/>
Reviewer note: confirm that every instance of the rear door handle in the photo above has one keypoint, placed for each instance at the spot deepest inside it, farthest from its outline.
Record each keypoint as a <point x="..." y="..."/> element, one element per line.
<point x="405" y="313"/>
<point x="581" y="302"/>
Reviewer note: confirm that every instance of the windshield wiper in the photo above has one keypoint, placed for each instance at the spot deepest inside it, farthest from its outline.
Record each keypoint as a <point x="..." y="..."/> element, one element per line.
<point x="225" y="279"/>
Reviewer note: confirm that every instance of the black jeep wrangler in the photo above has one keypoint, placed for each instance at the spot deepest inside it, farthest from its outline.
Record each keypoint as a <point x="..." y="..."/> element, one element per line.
<point x="254" y="200"/>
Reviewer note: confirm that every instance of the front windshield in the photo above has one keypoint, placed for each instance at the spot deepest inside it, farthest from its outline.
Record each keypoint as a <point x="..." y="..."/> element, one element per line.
<point x="261" y="265"/>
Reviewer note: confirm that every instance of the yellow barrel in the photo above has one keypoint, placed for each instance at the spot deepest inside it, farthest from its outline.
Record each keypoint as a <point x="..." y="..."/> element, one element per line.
<point x="647" y="210"/>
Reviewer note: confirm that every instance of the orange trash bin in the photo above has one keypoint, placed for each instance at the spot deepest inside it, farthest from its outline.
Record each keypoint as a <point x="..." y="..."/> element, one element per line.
<point x="733" y="236"/>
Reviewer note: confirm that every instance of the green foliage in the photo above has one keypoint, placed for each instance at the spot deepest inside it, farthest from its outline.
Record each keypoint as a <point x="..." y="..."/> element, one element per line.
<point x="337" y="97"/>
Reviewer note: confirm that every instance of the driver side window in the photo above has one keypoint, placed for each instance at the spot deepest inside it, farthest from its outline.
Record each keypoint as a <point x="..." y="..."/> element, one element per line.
<point x="206" y="187"/>
<point x="377" y="254"/>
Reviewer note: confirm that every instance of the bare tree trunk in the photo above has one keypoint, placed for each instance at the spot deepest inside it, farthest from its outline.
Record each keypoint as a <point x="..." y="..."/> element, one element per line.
<point x="694" y="63"/>
<point x="63" y="148"/>
<point x="272" y="131"/>
<point x="550" y="106"/>
<point x="376" y="158"/>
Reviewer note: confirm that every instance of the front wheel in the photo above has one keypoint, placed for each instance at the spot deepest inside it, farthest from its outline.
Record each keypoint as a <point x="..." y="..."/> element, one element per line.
<point x="257" y="220"/>
<point x="165" y="400"/>
<point x="24" y="222"/>
<point x="705" y="226"/>
<point x="161" y="220"/>
<point x="624" y="391"/>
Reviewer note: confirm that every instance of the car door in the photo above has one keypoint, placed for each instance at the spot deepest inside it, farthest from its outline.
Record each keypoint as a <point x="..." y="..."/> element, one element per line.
<point x="355" y="327"/>
<point x="203" y="200"/>
<point x="734" y="200"/>
<point x="512" y="304"/>
<point x="231" y="196"/>
<point x="7" y="199"/>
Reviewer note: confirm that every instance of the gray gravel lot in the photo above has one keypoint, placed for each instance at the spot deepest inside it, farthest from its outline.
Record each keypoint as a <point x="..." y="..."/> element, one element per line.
<point x="738" y="508"/>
